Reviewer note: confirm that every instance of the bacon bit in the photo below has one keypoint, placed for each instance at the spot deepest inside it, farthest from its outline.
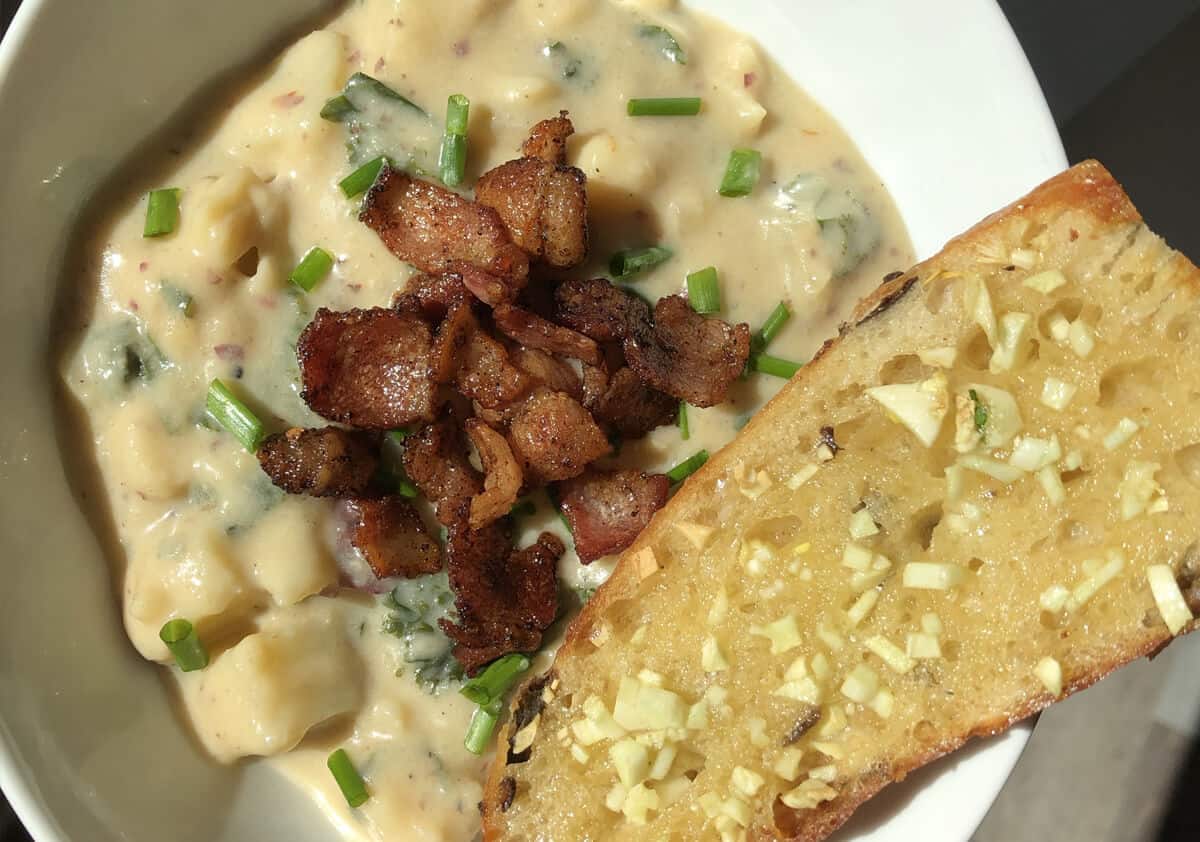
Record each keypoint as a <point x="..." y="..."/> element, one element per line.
<point x="144" y="265"/>
<point x="228" y="351"/>
<point x="1074" y="235"/>
<point x="133" y="305"/>
<point x="810" y="132"/>
<point x="380" y="63"/>
<point x="214" y="278"/>
<point x="270" y="302"/>
<point x="461" y="48"/>
<point x="356" y="287"/>
<point x="289" y="100"/>
<point x="355" y="57"/>
<point x="749" y="78"/>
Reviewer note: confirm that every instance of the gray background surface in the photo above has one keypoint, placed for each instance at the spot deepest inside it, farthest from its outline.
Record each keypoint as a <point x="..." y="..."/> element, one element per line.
<point x="1120" y="762"/>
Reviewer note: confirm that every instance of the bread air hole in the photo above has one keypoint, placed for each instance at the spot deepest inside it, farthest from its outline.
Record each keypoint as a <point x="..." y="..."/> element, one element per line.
<point x="1180" y="327"/>
<point x="1135" y="385"/>
<point x="924" y="522"/>
<point x="1188" y="460"/>
<point x="935" y="294"/>
<point x="904" y="368"/>
<point x="978" y="351"/>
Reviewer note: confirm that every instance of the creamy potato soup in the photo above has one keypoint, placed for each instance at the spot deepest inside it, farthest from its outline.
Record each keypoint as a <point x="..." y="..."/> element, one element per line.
<point x="306" y="656"/>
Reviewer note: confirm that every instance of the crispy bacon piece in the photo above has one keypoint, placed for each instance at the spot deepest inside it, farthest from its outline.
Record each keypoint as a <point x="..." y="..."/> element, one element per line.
<point x="449" y="344"/>
<point x="542" y="201"/>
<point x="435" y="459"/>
<point x="632" y="408"/>
<point x="431" y="296"/>
<point x="323" y="462"/>
<point x="532" y="331"/>
<point x="548" y="139"/>
<point x="554" y="437"/>
<point x="598" y="309"/>
<point x="486" y="375"/>
<point x="547" y="370"/>
<point x="392" y="538"/>
<point x="439" y="231"/>
<point x="502" y="475"/>
<point x="505" y="598"/>
<point x="367" y="368"/>
<point x="595" y="384"/>
<point x="686" y="355"/>
<point x="608" y="509"/>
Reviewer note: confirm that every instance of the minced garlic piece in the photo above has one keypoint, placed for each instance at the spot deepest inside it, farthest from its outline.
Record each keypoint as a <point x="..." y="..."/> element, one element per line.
<point x="783" y="634"/>
<point x="1049" y="672"/>
<point x="697" y="534"/>
<point x="921" y="407"/>
<point x="1171" y="605"/>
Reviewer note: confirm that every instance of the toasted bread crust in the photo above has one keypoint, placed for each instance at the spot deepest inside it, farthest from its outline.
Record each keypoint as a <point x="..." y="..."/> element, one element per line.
<point x="1087" y="189"/>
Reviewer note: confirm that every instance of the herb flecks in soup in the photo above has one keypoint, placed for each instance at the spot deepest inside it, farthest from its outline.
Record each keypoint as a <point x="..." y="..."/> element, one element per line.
<point x="712" y="182"/>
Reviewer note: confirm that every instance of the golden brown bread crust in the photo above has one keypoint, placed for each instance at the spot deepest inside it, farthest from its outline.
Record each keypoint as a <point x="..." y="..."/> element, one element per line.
<point x="1087" y="188"/>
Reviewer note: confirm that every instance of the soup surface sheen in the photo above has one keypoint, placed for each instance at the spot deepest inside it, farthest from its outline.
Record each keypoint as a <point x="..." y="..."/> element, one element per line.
<point x="299" y="665"/>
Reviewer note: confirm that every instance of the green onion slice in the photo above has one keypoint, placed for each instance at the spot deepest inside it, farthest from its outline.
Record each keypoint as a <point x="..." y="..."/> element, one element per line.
<point x="177" y="299"/>
<point x="685" y="430"/>
<point x="452" y="160"/>
<point x="704" y="291"/>
<point x="629" y="262"/>
<point x="741" y="173"/>
<point x="312" y="268"/>
<point x="482" y="726"/>
<point x="523" y="508"/>
<point x="181" y="638"/>
<point x="360" y="181"/>
<point x="340" y="108"/>
<point x="162" y="212"/>
<point x="668" y="106"/>
<point x="981" y="411"/>
<point x="687" y="467"/>
<point x="770" y="329"/>
<point x="348" y="779"/>
<point x="229" y="411"/>
<point x="775" y="366"/>
<point x="665" y="41"/>
<point x="491" y="684"/>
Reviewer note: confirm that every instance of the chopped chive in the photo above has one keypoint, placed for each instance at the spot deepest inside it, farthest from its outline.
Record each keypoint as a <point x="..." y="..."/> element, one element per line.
<point x="483" y="724"/>
<point x="522" y="508"/>
<point x="741" y="173"/>
<point x="348" y="779"/>
<point x="687" y="467"/>
<point x="228" y="411"/>
<point x="770" y="329"/>
<point x="704" y="291"/>
<point x="360" y="181"/>
<point x="162" y="212"/>
<point x="981" y="411"/>
<point x="405" y="487"/>
<point x="491" y="684"/>
<point x="452" y="160"/>
<point x="667" y="45"/>
<point x="775" y="366"/>
<point x="339" y="108"/>
<point x="625" y="264"/>
<point x="181" y="638"/>
<point x="568" y="64"/>
<point x="399" y="434"/>
<point x="685" y="430"/>
<point x="667" y="106"/>
<point x="312" y="268"/>
<point x="177" y="299"/>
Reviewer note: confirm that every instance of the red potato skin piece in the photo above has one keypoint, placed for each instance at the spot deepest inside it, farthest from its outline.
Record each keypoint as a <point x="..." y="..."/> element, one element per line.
<point x="367" y="368"/>
<point x="439" y="231"/>
<point x="608" y="510"/>
<point x="392" y="538"/>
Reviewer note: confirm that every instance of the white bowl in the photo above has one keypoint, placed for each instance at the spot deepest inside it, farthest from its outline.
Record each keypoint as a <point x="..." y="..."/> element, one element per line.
<point x="936" y="93"/>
